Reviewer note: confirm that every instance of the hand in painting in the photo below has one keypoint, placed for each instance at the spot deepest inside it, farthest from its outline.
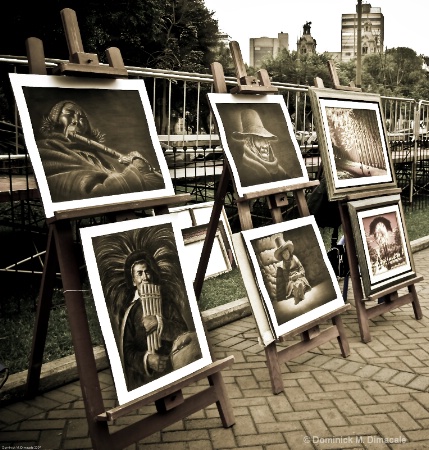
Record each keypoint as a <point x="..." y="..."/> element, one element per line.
<point x="157" y="363"/>
<point x="150" y="324"/>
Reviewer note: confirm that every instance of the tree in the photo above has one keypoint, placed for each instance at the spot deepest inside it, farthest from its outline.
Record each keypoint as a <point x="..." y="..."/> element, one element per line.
<point x="161" y="34"/>
<point x="168" y="34"/>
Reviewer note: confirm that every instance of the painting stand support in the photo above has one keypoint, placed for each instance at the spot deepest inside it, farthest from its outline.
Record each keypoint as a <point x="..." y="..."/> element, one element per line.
<point x="170" y="403"/>
<point x="311" y="335"/>
<point x="392" y="298"/>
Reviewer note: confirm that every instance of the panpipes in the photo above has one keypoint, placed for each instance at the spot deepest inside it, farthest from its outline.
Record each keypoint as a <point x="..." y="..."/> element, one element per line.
<point x="150" y="297"/>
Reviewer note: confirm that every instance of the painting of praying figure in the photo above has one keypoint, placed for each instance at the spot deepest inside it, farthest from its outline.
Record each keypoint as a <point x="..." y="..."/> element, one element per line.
<point x="352" y="141"/>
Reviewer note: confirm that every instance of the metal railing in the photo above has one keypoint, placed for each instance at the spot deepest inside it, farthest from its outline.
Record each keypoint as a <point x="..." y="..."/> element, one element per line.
<point x="192" y="148"/>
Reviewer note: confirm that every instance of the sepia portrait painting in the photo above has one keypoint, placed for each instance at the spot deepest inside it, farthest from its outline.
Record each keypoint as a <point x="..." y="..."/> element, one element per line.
<point x="145" y="304"/>
<point x="382" y="244"/>
<point x="259" y="141"/>
<point x="91" y="142"/>
<point x="352" y="140"/>
<point x="296" y="281"/>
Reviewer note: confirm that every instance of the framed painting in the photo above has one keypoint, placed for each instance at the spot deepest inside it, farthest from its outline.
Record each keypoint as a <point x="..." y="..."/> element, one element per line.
<point x="259" y="141"/>
<point x="295" y="279"/>
<point x="194" y="221"/>
<point x="383" y="249"/>
<point x="92" y="142"/>
<point x="145" y="303"/>
<point x="221" y="256"/>
<point x="353" y="142"/>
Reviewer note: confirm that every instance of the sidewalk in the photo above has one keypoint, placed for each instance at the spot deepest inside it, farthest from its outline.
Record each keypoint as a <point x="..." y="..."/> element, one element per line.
<point x="377" y="398"/>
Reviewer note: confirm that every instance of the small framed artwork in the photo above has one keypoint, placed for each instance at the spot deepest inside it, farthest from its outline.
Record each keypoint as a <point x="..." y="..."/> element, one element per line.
<point x="259" y="141"/>
<point x="194" y="220"/>
<point x="221" y="256"/>
<point x="92" y="142"/>
<point x="295" y="279"/>
<point x="352" y="140"/>
<point x="145" y="303"/>
<point x="383" y="249"/>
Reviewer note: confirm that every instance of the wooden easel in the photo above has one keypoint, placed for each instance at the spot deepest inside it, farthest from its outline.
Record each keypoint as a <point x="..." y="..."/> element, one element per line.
<point x="311" y="335"/>
<point x="170" y="403"/>
<point x="392" y="298"/>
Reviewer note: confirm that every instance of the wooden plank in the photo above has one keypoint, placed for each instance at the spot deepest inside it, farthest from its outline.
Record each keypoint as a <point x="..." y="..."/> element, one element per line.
<point x="71" y="30"/>
<point x="278" y="190"/>
<point x="415" y="279"/>
<point x="219" y="82"/>
<point x="36" y="56"/>
<point x="237" y="58"/>
<point x="295" y="350"/>
<point x="99" y="71"/>
<point x="114" y="58"/>
<point x="18" y="187"/>
<point x="118" y="207"/>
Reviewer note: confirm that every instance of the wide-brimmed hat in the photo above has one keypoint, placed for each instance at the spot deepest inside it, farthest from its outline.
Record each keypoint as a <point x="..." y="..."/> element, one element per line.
<point x="281" y="246"/>
<point x="252" y="125"/>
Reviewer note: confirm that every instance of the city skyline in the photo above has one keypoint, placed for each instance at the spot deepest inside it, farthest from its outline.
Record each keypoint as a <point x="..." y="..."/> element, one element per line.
<point x="402" y="25"/>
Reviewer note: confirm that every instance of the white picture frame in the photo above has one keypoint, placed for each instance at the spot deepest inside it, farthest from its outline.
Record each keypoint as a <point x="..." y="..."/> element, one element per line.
<point x="287" y="314"/>
<point x="108" y="250"/>
<point x="115" y="157"/>
<point x="382" y="244"/>
<point x="239" y="117"/>
<point x="353" y="142"/>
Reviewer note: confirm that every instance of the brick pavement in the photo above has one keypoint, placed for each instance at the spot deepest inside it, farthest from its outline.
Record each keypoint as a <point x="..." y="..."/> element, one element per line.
<point x="377" y="398"/>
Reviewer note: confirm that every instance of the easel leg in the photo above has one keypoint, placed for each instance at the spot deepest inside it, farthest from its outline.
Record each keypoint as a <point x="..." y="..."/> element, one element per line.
<point x="42" y="317"/>
<point x="354" y="274"/>
<point x="81" y="336"/>
<point x="416" y="303"/>
<point x="223" y="403"/>
<point x="342" y="339"/>
<point x="274" y="368"/>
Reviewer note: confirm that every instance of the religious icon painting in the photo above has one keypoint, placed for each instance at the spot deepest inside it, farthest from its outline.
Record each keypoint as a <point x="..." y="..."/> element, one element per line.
<point x="92" y="142"/>
<point x="352" y="141"/>
<point x="296" y="282"/>
<point x="145" y="303"/>
<point x="259" y="142"/>
<point x="380" y="235"/>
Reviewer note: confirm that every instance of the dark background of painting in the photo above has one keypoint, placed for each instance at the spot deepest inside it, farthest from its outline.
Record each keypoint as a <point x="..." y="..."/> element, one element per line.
<point x="274" y="121"/>
<point x="118" y="114"/>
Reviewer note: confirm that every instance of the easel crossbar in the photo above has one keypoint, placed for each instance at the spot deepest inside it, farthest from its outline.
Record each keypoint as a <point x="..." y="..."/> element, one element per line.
<point x="147" y="426"/>
<point x="315" y="322"/>
<point x="122" y="410"/>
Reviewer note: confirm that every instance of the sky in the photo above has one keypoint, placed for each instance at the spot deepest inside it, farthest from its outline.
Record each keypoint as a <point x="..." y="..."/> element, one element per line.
<point x="405" y="23"/>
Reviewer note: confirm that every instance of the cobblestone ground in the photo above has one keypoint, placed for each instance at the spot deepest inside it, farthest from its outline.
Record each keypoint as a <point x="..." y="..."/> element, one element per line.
<point x="376" y="398"/>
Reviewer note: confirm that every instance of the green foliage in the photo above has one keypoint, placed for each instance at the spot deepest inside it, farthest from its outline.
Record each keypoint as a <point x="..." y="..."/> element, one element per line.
<point x="167" y="34"/>
<point x="398" y="72"/>
<point x="222" y="289"/>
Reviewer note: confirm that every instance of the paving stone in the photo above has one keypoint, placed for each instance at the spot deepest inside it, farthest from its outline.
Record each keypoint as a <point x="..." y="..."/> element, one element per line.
<point x="380" y="391"/>
<point x="332" y="417"/>
<point x="415" y="410"/>
<point x="404" y="421"/>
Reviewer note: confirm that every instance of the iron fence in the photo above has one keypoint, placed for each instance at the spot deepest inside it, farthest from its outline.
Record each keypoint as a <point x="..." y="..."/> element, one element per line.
<point x="193" y="151"/>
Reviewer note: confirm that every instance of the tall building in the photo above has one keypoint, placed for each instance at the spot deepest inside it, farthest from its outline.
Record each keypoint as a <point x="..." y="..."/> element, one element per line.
<point x="265" y="47"/>
<point x="372" y="26"/>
